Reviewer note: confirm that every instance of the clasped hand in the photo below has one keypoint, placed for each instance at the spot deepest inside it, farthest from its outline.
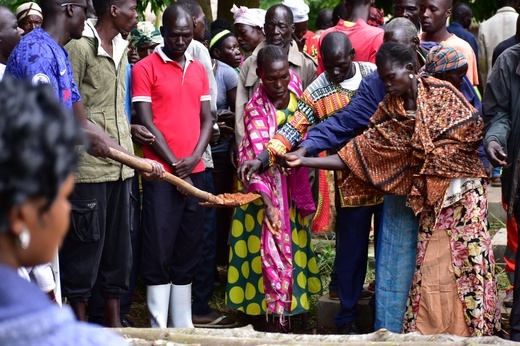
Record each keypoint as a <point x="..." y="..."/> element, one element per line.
<point x="185" y="166"/>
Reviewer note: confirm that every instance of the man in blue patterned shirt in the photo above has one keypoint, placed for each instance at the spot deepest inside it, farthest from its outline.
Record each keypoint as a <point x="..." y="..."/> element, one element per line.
<point x="40" y="58"/>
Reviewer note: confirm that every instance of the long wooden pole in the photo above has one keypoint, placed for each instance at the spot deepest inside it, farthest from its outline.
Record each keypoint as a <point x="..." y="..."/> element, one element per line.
<point x="137" y="163"/>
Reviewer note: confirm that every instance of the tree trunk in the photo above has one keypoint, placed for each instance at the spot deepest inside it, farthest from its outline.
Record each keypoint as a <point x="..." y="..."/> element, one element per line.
<point x="206" y="7"/>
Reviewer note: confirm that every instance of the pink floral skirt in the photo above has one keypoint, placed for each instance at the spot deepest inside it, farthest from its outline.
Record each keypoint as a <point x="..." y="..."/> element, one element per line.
<point x="465" y="223"/>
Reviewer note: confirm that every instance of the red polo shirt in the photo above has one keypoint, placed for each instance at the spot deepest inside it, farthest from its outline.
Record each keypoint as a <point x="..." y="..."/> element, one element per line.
<point x="365" y="39"/>
<point x="176" y="97"/>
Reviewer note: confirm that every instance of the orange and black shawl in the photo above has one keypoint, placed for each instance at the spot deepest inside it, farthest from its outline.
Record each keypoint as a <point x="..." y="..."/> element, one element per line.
<point x="417" y="154"/>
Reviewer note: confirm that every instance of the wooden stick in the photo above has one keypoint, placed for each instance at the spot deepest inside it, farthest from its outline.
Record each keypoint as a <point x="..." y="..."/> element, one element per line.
<point x="139" y="164"/>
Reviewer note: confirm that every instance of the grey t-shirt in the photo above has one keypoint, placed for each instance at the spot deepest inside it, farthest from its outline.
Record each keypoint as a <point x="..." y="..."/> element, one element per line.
<point x="227" y="79"/>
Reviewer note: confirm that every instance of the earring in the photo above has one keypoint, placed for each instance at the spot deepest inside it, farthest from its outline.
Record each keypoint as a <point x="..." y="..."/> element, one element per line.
<point x="410" y="75"/>
<point x="24" y="238"/>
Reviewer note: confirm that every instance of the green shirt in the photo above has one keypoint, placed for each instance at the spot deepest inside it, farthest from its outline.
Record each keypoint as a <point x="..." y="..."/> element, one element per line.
<point x="103" y="88"/>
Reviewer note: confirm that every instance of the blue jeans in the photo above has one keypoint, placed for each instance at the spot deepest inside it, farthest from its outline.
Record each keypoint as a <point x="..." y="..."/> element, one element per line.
<point x="395" y="265"/>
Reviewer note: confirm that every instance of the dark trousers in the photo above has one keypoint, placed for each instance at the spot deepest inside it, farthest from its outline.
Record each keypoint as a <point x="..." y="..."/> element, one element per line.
<point x="98" y="242"/>
<point x="223" y="175"/>
<point x="352" y="232"/>
<point x="172" y="233"/>
<point x="202" y="289"/>
<point x="95" y="303"/>
<point x="514" y="318"/>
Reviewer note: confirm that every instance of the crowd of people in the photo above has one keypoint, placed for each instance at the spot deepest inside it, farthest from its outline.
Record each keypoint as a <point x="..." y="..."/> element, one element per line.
<point x="363" y="127"/>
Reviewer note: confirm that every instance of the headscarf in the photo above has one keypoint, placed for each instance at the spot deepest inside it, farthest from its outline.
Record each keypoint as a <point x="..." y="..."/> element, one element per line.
<point x="219" y="35"/>
<point x="441" y="59"/>
<point x="249" y="16"/>
<point x="145" y="33"/>
<point x="376" y="17"/>
<point x="27" y="9"/>
<point x="299" y="9"/>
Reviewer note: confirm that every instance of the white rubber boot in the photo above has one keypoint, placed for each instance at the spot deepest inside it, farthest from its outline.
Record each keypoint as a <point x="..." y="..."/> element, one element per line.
<point x="157" y="299"/>
<point x="180" y="306"/>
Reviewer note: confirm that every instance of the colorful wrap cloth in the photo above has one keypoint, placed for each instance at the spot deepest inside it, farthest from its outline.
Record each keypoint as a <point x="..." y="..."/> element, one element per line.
<point x="441" y="59"/>
<point x="261" y="124"/>
<point x="417" y="154"/>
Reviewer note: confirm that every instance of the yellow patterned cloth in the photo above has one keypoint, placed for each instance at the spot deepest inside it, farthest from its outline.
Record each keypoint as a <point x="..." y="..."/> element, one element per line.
<point x="245" y="287"/>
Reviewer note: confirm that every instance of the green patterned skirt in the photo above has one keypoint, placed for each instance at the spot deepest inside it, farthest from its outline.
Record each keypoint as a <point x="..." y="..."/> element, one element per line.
<point x="245" y="287"/>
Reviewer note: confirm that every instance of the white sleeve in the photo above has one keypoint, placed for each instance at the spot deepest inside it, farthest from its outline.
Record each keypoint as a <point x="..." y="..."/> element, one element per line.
<point x="44" y="277"/>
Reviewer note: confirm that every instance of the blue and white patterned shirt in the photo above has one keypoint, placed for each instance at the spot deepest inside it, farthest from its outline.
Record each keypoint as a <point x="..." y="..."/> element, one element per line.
<point x="39" y="59"/>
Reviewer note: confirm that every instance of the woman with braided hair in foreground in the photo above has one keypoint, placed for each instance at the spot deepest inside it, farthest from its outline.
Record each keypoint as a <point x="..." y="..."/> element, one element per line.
<point x="37" y="161"/>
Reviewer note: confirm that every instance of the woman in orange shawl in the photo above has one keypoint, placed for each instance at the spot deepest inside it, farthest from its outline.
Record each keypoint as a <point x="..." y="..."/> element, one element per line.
<point x="422" y="142"/>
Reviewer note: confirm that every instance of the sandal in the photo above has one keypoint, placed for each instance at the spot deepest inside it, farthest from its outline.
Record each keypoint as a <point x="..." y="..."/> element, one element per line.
<point x="219" y="322"/>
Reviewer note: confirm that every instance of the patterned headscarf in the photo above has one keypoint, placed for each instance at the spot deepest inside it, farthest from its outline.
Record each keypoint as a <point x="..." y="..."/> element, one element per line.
<point x="27" y="9"/>
<point x="441" y="59"/>
<point x="145" y="33"/>
<point x="249" y="16"/>
<point x="376" y="17"/>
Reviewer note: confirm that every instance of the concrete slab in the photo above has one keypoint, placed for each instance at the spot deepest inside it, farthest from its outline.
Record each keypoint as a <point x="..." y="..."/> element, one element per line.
<point x="247" y="336"/>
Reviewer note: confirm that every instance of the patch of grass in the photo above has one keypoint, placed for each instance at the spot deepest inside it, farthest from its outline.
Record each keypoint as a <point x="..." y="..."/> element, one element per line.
<point x="325" y="255"/>
<point x="495" y="222"/>
<point x="502" y="279"/>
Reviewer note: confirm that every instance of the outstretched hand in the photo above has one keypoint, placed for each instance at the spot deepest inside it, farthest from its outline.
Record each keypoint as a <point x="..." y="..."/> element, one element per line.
<point x="292" y="160"/>
<point x="495" y="153"/>
<point x="248" y="168"/>
<point x="284" y="161"/>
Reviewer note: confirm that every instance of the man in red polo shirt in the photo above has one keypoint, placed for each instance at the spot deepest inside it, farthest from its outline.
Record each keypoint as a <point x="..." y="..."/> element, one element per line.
<point x="171" y="97"/>
<point x="365" y="39"/>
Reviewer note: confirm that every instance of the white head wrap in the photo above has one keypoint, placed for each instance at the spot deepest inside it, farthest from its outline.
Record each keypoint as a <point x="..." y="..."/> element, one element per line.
<point x="249" y="16"/>
<point x="299" y="9"/>
<point x="27" y="9"/>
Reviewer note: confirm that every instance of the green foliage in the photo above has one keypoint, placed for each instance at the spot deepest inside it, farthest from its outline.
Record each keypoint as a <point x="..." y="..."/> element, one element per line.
<point x="156" y="5"/>
<point x="482" y="10"/>
<point x="502" y="279"/>
<point x="141" y="4"/>
<point x="314" y="5"/>
<point x="12" y="4"/>
<point x="325" y="254"/>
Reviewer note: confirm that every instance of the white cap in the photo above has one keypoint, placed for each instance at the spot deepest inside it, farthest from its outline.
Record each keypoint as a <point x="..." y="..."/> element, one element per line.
<point x="299" y="9"/>
<point x="28" y="9"/>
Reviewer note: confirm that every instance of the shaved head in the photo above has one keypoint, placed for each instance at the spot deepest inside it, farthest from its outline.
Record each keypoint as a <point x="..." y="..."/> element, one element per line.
<point x="176" y="13"/>
<point x="404" y="26"/>
<point x="335" y="43"/>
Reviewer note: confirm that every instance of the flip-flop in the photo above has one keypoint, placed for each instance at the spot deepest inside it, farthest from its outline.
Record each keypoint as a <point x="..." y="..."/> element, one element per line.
<point x="215" y="323"/>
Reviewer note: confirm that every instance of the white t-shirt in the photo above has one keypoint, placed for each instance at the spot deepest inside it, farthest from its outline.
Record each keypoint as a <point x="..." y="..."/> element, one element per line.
<point x="353" y="83"/>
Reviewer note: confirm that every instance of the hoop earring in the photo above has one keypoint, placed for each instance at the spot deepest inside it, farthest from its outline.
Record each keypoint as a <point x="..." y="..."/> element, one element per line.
<point x="410" y="75"/>
<point x="24" y="238"/>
